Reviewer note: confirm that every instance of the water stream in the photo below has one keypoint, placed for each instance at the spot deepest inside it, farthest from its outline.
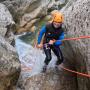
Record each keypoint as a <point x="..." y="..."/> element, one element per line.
<point x="31" y="58"/>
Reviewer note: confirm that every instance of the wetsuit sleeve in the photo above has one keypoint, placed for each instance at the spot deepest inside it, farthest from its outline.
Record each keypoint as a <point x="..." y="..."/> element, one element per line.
<point x="42" y="31"/>
<point x="61" y="37"/>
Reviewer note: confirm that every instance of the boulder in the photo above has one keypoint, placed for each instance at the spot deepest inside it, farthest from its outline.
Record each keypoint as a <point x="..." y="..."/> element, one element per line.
<point x="9" y="66"/>
<point x="51" y="80"/>
<point x="5" y="19"/>
<point x="6" y="23"/>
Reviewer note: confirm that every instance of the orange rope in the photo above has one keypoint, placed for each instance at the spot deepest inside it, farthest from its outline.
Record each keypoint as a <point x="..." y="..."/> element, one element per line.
<point x="68" y="39"/>
<point x="78" y="73"/>
<point x="77" y="38"/>
<point x="25" y="68"/>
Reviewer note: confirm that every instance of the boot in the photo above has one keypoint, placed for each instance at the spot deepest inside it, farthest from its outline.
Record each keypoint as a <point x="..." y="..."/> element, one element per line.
<point x="44" y="68"/>
<point x="56" y="68"/>
<point x="59" y="67"/>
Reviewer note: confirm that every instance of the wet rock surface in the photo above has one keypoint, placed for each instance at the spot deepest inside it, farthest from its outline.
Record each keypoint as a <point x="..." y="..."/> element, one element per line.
<point x="51" y="80"/>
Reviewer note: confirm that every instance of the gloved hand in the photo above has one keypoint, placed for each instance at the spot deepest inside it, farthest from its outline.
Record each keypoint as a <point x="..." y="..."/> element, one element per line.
<point x="39" y="45"/>
<point x="51" y="42"/>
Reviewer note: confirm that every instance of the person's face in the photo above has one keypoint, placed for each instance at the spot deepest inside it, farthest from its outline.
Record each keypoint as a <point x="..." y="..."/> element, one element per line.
<point x="56" y="25"/>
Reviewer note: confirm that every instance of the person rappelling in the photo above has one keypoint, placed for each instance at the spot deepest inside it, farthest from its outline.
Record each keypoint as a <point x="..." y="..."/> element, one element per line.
<point x="53" y="33"/>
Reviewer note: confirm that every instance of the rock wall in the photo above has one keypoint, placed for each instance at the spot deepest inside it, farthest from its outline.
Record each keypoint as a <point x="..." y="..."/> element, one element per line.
<point x="9" y="66"/>
<point x="6" y="23"/>
<point x="77" y="53"/>
<point x="25" y="11"/>
<point x="9" y="60"/>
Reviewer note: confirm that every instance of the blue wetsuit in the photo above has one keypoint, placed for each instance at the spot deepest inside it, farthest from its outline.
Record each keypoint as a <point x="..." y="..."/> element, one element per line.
<point x="50" y="33"/>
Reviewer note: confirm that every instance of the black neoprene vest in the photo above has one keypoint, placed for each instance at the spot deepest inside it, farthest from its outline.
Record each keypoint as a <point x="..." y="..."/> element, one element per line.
<point x="52" y="33"/>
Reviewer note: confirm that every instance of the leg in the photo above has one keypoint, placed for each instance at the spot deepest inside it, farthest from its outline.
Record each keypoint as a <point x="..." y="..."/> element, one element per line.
<point x="47" y="51"/>
<point x="58" y="53"/>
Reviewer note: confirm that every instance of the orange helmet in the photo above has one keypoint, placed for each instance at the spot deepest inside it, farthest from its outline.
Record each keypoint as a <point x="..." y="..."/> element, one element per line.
<point x="58" y="17"/>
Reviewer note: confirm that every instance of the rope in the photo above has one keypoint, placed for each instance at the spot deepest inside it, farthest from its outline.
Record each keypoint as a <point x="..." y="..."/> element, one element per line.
<point x="69" y="70"/>
<point x="78" y="73"/>
<point x="68" y="39"/>
<point x="72" y="71"/>
<point x="77" y="38"/>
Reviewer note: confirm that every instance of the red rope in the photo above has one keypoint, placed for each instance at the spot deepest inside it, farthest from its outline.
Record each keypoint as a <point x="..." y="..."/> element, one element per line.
<point x="78" y="73"/>
<point x="77" y="38"/>
<point x="69" y="70"/>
